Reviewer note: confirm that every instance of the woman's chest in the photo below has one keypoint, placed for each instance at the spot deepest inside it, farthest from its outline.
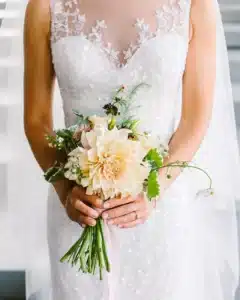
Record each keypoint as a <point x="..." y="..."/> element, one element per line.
<point x="79" y="64"/>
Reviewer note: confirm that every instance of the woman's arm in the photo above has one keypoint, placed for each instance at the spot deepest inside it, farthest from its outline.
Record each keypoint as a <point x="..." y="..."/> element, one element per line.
<point x="198" y="95"/>
<point x="198" y="88"/>
<point x="38" y="82"/>
<point x="38" y="102"/>
<point x="38" y="85"/>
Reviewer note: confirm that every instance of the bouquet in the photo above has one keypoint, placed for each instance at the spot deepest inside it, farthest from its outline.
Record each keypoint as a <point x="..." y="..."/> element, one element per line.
<point x="111" y="158"/>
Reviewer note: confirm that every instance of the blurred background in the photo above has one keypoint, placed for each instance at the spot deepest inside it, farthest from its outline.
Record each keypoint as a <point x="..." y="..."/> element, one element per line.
<point x="23" y="251"/>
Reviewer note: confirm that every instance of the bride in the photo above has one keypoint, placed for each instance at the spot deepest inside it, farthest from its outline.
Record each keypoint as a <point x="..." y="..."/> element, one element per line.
<point x="184" y="247"/>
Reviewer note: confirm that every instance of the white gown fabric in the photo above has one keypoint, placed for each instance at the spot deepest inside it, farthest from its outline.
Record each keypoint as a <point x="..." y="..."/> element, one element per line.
<point x="188" y="247"/>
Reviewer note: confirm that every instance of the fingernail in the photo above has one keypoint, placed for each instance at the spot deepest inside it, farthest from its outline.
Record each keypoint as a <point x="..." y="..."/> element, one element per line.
<point x="95" y="214"/>
<point x="104" y="215"/>
<point x="120" y="226"/>
<point x="106" y="205"/>
<point x="110" y="222"/>
<point x="93" y="223"/>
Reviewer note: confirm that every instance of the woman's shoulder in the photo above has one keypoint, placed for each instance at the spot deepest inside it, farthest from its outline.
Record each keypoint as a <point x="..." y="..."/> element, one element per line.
<point x="203" y="14"/>
<point x="203" y="7"/>
<point x="38" y="16"/>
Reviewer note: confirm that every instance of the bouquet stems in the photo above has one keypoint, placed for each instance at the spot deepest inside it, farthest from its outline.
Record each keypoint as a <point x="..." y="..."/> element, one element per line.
<point x="89" y="251"/>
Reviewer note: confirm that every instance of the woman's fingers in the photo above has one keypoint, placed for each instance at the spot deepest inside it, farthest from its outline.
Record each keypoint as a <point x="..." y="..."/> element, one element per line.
<point x="129" y="215"/>
<point x="114" y="202"/>
<point x="80" y="194"/>
<point x="133" y="216"/>
<point x="124" y="212"/>
<point x="123" y="219"/>
<point x="132" y="224"/>
<point x="121" y="210"/>
<point x="86" y="220"/>
<point x="85" y="209"/>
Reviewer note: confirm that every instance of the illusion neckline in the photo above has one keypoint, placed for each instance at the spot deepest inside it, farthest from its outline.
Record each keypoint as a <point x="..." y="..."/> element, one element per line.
<point x="96" y="36"/>
<point x="169" y="18"/>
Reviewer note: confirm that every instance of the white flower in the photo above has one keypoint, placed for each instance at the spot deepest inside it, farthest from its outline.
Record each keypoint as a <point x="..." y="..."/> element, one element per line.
<point x="75" y="160"/>
<point x="148" y="142"/>
<point x="163" y="149"/>
<point x="101" y="24"/>
<point x="96" y="121"/>
<point x="140" y="23"/>
<point x="111" y="163"/>
<point x="71" y="176"/>
<point x="111" y="52"/>
<point x="60" y="139"/>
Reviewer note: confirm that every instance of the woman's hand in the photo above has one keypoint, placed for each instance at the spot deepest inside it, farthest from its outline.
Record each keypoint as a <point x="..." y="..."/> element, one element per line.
<point x="82" y="208"/>
<point x="127" y="212"/>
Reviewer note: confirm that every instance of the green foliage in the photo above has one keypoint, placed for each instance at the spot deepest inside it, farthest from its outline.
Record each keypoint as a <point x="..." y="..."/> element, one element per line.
<point x="65" y="140"/>
<point x="51" y="140"/>
<point x="121" y="106"/>
<point x="81" y="120"/>
<point x="54" y="174"/>
<point x="112" y="123"/>
<point x="89" y="251"/>
<point x="130" y="124"/>
<point x="153" y="188"/>
<point x="111" y="109"/>
<point x="64" y="133"/>
<point x="154" y="158"/>
<point x="136" y="88"/>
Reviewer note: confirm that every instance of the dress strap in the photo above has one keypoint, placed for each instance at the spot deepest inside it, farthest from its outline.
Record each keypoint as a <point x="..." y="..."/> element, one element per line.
<point x="66" y="19"/>
<point x="175" y="16"/>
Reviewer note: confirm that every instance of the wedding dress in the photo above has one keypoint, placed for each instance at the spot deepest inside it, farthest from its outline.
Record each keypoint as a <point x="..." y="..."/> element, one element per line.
<point x="188" y="248"/>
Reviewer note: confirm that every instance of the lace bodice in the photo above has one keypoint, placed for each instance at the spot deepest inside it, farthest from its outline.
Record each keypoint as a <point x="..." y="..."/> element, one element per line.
<point x="98" y="47"/>
<point x="68" y="19"/>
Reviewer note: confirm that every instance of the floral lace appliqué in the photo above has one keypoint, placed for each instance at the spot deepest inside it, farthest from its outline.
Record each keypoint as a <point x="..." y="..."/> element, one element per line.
<point x="68" y="21"/>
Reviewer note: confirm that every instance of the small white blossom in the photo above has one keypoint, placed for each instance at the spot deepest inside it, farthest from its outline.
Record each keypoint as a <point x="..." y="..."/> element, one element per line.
<point x="101" y="24"/>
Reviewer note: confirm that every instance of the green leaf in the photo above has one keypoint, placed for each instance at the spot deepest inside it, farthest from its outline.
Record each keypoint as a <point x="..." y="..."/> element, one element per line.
<point x="134" y="124"/>
<point x="136" y="88"/>
<point x="67" y="142"/>
<point x="51" y="139"/>
<point x="54" y="174"/>
<point x="130" y="124"/>
<point x="154" y="158"/>
<point x="81" y="120"/>
<point x="77" y="113"/>
<point x="112" y="123"/>
<point x="64" y="133"/>
<point x="111" y="109"/>
<point x="153" y="188"/>
<point x="73" y="128"/>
